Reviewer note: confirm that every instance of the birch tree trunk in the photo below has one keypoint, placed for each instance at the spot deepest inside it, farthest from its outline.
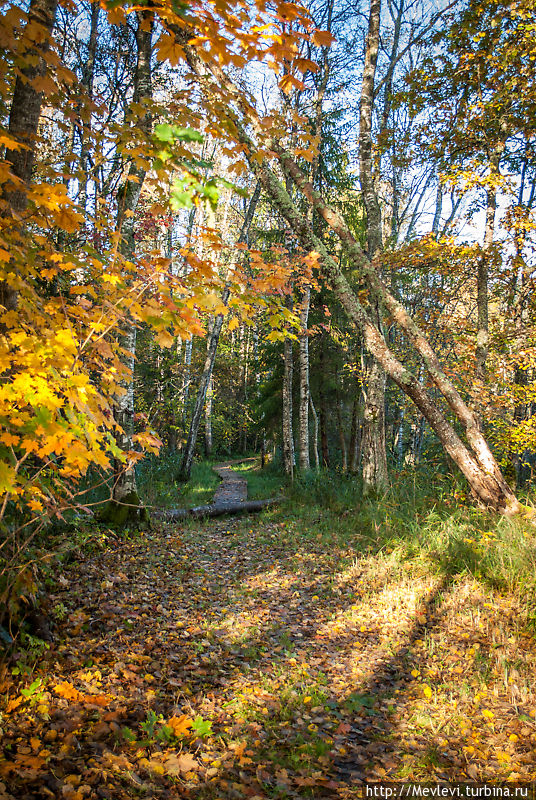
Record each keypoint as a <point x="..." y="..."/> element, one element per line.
<point x="315" y="432"/>
<point x="303" y="435"/>
<point x="208" y="418"/>
<point x="288" y="436"/>
<point x="482" y="336"/>
<point x="88" y="78"/>
<point x="188" y="457"/>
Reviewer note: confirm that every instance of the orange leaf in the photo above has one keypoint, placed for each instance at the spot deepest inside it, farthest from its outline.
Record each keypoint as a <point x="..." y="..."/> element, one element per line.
<point x="14" y="703"/>
<point x="323" y="38"/>
<point x="180" y="725"/>
<point x="289" y="82"/>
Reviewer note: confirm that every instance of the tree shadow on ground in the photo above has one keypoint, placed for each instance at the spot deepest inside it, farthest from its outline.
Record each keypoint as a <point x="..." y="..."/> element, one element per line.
<point x="293" y="653"/>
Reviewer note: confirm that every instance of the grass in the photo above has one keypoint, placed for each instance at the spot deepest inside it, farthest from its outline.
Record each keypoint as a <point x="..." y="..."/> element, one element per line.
<point x="262" y="484"/>
<point x="159" y="487"/>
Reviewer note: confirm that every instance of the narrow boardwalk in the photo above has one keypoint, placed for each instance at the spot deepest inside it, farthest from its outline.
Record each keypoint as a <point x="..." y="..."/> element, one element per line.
<point x="231" y="496"/>
<point x="233" y="488"/>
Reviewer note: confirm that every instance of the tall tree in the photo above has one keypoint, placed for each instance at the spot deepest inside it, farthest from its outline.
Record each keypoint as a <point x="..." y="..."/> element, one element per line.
<point x="125" y="504"/>
<point x="208" y="366"/>
<point x="24" y="118"/>
<point x="373" y="455"/>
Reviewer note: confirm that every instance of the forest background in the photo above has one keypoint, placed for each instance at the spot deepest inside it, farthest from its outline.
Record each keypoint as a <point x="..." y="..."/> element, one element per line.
<point x="306" y="232"/>
<point x="301" y="237"/>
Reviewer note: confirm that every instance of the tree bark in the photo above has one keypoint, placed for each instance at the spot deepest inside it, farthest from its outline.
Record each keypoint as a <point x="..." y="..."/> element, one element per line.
<point x="324" y="439"/>
<point x="219" y="510"/>
<point x="374" y="460"/>
<point x="482" y="336"/>
<point x="303" y="436"/>
<point x="288" y="435"/>
<point x="125" y="506"/>
<point x="23" y="122"/>
<point x="342" y="437"/>
<point x="88" y="78"/>
<point x="315" y="432"/>
<point x="208" y="418"/>
<point x="373" y="455"/>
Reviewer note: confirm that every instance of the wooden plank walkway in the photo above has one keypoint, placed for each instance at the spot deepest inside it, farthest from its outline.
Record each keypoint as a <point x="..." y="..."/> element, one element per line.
<point x="230" y="496"/>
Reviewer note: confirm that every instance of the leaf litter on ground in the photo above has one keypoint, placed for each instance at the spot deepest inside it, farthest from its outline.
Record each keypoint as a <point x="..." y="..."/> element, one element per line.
<point x="253" y="659"/>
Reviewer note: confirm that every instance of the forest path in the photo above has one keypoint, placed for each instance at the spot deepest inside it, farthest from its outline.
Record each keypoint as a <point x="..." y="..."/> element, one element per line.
<point x="260" y="657"/>
<point x="230" y="497"/>
<point x="233" y="488"/>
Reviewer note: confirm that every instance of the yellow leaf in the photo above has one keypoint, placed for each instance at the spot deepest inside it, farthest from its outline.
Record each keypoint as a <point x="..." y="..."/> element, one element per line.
<point x="8" y="438"/>
<point x="164" y="339"/>
<point x="14" y="703"/>
<point x="427" y="692"/>
<point x="169" y="50"/>
<point x="289" y="82"/>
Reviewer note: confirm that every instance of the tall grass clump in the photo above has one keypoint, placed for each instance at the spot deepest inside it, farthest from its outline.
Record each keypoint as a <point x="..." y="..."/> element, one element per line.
<point x="430" y="522"/>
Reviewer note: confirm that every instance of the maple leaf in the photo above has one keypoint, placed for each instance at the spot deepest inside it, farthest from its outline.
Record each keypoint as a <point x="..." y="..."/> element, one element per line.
<point x="322" y="38"/>
<point x="180" y="725"/>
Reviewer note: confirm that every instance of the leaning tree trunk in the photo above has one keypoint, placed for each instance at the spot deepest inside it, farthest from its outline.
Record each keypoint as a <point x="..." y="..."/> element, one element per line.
<point x="473" y="458"/>
<point x="188" y="457"/>
<point x="373" y="455"/>
<point x="23" y="121"/>
<point x="125" y="505"/>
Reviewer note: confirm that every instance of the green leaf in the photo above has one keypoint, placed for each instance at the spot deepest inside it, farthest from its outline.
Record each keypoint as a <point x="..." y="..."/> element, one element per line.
<point x="165" y="132"/>
<point x="210" y="191"/>
<point x="202" y="727"/>
<point x="128" y="735"/>
<point x="180" y="199"/>
<point x="187" y="134"/>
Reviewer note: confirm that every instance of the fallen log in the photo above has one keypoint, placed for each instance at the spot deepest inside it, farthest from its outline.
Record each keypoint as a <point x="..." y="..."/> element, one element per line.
<point x="217" y="509"/>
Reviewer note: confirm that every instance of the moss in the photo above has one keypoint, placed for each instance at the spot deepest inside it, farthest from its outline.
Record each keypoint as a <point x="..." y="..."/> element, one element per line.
<point x="129" y="511"/>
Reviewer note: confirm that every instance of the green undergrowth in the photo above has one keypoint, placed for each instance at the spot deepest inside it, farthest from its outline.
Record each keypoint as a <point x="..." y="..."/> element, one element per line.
<point x="433" y="526"/>
<point x="262" y="484"/>
<point x="159" y="488"/>
<point x="429" y="525"/>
